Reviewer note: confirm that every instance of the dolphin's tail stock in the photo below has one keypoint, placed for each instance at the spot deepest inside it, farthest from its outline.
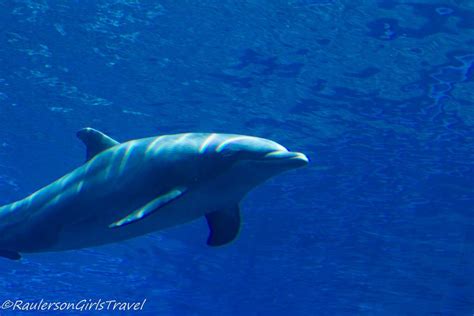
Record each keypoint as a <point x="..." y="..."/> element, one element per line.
<point x="12" y="255"/>
<point x="5" y="252"/>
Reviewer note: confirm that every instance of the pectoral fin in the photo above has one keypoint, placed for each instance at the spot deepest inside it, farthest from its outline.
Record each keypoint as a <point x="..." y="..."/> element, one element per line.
<point x="95" y="141"/>
<point x="150" y="207"/>
<point x="224" y="226"/>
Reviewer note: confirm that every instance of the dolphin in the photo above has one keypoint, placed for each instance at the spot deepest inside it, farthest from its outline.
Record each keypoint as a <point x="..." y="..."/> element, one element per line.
<point x="125" y="190"/>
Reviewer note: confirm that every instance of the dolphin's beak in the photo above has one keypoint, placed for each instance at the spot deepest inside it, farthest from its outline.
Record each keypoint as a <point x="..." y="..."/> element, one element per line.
<point x="293" y="159"/>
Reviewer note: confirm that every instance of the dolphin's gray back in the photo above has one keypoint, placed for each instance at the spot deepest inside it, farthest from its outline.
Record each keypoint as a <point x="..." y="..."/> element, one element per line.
<point x="115" y="183"/>
<point x="89" y="190"/>
<point x="109" y="167"/>
<point x="62" y="198"/>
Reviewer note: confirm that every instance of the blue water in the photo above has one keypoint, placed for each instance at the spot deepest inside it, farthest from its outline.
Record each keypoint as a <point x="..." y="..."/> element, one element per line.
<point x="379" y="94"/>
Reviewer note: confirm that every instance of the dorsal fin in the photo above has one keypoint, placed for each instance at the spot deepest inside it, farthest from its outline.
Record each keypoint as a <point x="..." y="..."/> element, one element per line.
<point x="95" y="141"/>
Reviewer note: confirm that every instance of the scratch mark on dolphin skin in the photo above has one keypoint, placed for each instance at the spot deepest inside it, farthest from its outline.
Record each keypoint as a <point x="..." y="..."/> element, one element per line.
<point x="206" y="143"/>
<point x="108" y="171"/>
<point x="53" y="201"/>
<point x="89" y="164"/>
<point x="79" y="186"/>
<point x="228" y="141"/>
<point x="63" y="182"/>
<point x="182" y="138"/>
<point x="128" y="151"/>
<point x="115" y="160"/>
<point x="29" y="199"/>
<point x="152" y="147"/>
<point x="14" y="205"/>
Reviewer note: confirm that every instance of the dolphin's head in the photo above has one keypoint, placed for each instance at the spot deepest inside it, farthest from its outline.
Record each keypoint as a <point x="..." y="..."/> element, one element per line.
<point x="251" y="160"/>
<point x="260" y="152"/>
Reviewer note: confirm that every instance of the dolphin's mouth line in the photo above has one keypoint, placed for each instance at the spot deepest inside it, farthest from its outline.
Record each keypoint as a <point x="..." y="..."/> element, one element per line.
<point x="279" y="155"/>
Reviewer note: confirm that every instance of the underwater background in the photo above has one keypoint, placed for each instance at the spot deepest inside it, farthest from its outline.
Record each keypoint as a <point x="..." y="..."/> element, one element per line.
<point x="379" y="95"/>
